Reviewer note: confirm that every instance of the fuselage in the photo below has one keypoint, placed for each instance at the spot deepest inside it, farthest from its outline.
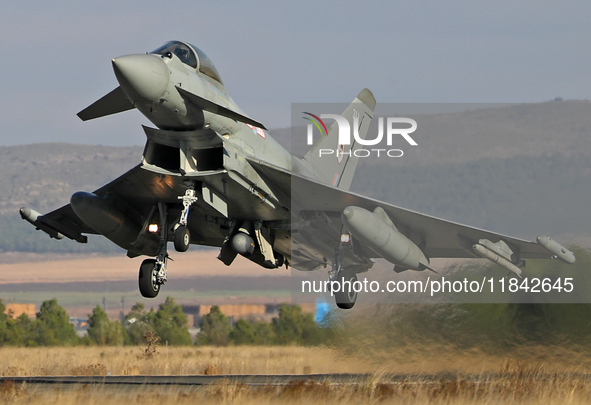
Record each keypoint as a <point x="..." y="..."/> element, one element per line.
<point x="180" y="91"/>
<point x="150" y="82"/>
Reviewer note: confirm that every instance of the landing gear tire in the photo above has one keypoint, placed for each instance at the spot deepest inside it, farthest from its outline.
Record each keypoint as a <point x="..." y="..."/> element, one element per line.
<point x="346" y="299"/>
<point x="149" y="287"/>
<point x="182" y="239"/>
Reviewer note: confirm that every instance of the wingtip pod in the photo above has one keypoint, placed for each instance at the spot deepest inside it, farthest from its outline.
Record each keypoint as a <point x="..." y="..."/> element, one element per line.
<point x="29" y="215"/>
<point x="32" y="217"/>
<point x="558" y="251"/>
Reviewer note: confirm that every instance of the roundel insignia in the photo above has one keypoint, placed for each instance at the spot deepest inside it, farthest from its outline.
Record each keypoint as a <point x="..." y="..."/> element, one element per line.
<point x="340" y="153"/>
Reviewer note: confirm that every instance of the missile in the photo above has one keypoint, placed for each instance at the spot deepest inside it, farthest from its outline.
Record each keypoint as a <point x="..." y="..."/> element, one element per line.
<point x="558" y="251"/>
<point x="376" y="231"/>
<point x="32" y="217"/>
<point x="108" y="220"/>
<point x="495" y="258"/>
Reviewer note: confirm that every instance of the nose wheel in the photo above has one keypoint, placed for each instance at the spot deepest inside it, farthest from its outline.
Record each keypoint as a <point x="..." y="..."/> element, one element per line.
<point x="182" y="238"/>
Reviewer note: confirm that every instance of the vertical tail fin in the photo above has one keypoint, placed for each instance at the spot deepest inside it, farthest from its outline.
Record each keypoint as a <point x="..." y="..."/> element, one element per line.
<point x="338" y="168"/>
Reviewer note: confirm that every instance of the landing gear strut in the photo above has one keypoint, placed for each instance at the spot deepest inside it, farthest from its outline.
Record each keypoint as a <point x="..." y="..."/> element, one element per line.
<point x="153" y="271"/>
<point x="182" y="236"/>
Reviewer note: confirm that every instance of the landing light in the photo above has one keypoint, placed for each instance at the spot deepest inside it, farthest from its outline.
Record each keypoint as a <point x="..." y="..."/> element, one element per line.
<point x="153" y="228"/>
<point x="345" y="238"/>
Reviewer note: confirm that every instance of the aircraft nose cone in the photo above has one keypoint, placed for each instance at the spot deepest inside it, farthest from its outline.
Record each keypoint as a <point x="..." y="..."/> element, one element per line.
<point x="143" y="76"/>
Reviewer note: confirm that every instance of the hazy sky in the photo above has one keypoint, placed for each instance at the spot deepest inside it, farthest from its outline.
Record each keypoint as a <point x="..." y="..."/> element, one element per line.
<point x="56" y="56"/>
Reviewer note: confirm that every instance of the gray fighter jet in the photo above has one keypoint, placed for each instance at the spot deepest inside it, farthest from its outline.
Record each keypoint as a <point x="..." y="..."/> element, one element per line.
<point x="212" y="176"/>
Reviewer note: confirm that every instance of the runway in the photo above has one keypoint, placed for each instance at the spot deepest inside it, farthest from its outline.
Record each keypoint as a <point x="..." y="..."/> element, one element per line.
<point x="266" y="380"/>
<point x="244" y="379"/>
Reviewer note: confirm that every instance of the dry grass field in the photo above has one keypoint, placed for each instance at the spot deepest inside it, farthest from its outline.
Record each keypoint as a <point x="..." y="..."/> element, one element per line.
<point x="131" y="360"/>
<point x="175" y="361"/>
<point x="512" y="383"/>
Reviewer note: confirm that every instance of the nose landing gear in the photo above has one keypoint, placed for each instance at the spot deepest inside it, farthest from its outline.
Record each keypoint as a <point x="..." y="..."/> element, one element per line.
<point x="182" y="236"/>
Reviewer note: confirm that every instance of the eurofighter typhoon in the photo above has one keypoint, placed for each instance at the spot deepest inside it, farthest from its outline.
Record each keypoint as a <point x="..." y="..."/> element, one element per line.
<point x="212" y="176"/>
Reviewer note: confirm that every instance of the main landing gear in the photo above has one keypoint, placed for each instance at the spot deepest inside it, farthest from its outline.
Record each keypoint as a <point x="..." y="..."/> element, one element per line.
<point x="148" y="280"/>
<point x="346" y="296"/>
<point x="153" y="271"/>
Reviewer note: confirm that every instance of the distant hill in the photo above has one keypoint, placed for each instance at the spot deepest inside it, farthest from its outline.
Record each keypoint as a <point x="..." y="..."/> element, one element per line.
<point x="482" y="131"/>
<point x="519" y="169"/>
<point x="43" y="177"/>
<point x="523" y="196"/>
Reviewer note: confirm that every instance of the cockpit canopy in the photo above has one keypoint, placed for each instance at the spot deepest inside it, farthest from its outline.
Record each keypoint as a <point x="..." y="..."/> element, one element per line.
<point x="192" y="56"/>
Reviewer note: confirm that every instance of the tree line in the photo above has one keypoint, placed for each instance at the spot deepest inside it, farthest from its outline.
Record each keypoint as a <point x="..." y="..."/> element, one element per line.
<point x="51" y="327"/>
